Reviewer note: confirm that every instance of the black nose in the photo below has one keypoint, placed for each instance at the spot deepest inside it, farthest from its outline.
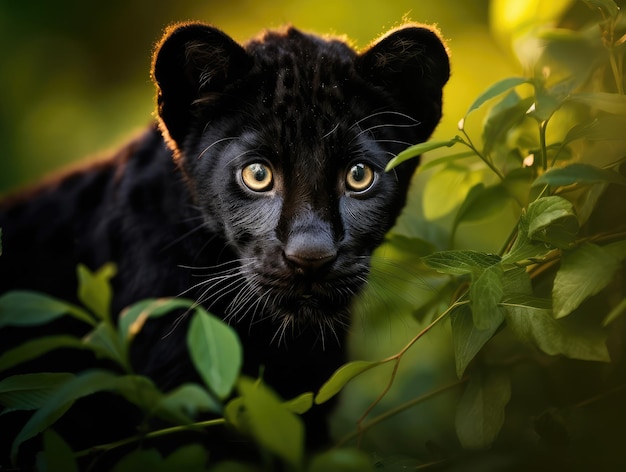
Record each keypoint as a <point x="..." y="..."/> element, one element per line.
<point x="309" y="261"/>
<point x="310" y="251"/>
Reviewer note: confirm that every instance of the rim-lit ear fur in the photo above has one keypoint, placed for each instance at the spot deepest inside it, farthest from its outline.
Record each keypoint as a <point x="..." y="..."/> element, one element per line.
<point x="192" y="61"/>
<point x="412" y="64"/>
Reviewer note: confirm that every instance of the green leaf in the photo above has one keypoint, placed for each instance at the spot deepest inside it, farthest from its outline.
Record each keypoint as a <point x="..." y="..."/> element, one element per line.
<point x="105" y="343"/>
<point x="607" y="7"/>
<point x="601" y="128"/>
<point x="486" y="290"/>
<point x="578" y="173"/>
<point x="526" y="301"/>
<point x="466" y="338"/>
<point x="30" y="391"/>
<point x="300" y="404"/>
<point x="185" y="402"/>
<point x="56" y="455"/>
<point x="584" y="272"/>
<point x="480" y="203"/>
<point x="609" y="102"/>
<point x="94" y="289"/>
<point x="215" y="351"/>
<point x="417" y="150"/>
<point x="232" y="466"/>
<point x="132" y="319"/>
<point x="138" y="390"/>
<point x="523" y="247"/>
<point x="616" y="312"/>
<point x="271" y="423"/>
<point x="552" y="220"/>
<point x="341" y="460"/>
<point x="480" y="412"/>
<point x="446" y="189"/>
<point x="445" y="160"/>
<point x="141" y="459"/>
<point x="341" y="377"/>
<point x="190" y="458"/>
<point x="502" y="118"/>
<point x="460" y="262"/>
<point x="494" y="90"/>
<point x="556" y="337"/>
<point x="37" y="347"/>
<point x="25" y="308"/>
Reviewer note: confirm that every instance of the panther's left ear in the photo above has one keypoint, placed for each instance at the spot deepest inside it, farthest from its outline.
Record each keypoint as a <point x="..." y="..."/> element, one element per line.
<point x="193" y="62"/>
<point x="412" y="64"/>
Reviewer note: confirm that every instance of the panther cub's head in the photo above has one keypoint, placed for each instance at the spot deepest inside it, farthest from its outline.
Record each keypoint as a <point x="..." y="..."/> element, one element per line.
<point x="284" y="142"/>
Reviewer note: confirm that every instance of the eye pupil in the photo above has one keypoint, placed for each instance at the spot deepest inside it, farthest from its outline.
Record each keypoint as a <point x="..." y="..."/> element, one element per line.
<point x="358" y="173"/>
<point x="257" y="177"/>
<point x="258" y="172"/>
<point x="360" y="177"/>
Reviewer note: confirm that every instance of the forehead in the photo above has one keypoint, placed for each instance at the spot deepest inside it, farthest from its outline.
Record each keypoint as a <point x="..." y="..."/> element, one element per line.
<point x="304" y="87"/>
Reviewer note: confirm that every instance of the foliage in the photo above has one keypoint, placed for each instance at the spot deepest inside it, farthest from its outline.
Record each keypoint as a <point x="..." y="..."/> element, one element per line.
<point x="521" y="258"/>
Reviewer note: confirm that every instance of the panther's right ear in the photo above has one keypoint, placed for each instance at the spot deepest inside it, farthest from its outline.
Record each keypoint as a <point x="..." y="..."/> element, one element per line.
<point x="192" y="61"/>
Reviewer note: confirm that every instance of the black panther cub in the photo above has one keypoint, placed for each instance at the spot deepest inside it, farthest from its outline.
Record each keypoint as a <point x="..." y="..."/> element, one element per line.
<point x="261" y="193"/>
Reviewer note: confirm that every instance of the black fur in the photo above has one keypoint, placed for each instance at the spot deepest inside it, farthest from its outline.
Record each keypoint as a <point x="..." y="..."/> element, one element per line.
<point x="172" y="211"/>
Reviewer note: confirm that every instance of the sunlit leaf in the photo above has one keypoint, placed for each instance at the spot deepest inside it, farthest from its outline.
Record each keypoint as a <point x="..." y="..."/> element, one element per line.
<point x="556" y="337"/>
<point x="466" y="338"/>
<point x="56" y="455"/>
<point x="451" y="159"/>
<point x="579" y="173"/>
<point x="584" y="272"/>
<point x="94" y="289"/>
<point x="341" y="377"/>
<point x="494" y="90"/>
<point x="271" y="423"/>
<point x="30" y="391"/>
<point x="35" y="348"/>
<point x="417" y="150"/>
<point x="25" y="308"/>
<point x="460" y="262"/>
<point x="480" y="412"/>
<point x="446" y="189"/>
<point x="215" y="351"/>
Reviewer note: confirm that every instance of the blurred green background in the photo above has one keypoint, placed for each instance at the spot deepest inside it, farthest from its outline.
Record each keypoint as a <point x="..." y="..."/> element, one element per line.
<point x="74" y="75"/>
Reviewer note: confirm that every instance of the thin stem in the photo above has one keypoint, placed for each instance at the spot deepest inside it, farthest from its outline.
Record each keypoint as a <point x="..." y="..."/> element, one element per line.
<point x="396" y="358"/>
<point x="617" y="72"/>
<point x="150" y="435"/>
<point x="484" y="158"/>
<point x="543" y="125"/>
<point x="399" y="409"/>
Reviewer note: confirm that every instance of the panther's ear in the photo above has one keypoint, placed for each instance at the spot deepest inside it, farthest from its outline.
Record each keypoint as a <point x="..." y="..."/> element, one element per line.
<point x="411" y="63"/>
<point x="192" y="61"/>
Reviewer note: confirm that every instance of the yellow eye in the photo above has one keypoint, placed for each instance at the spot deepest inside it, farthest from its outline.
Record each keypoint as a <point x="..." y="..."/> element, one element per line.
<point x="360" y="177"/>
<point x="258" y="177"/>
